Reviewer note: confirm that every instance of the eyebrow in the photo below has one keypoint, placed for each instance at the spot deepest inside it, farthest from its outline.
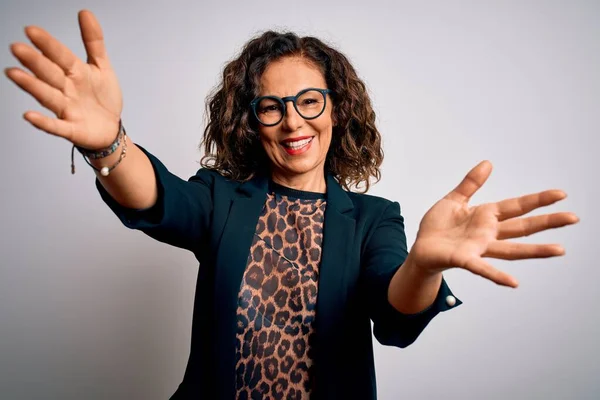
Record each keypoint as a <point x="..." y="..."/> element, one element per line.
<point x="261" y="93"/>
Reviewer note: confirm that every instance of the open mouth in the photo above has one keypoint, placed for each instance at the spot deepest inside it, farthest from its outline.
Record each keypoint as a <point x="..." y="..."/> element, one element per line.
<point x="297" y="144"/>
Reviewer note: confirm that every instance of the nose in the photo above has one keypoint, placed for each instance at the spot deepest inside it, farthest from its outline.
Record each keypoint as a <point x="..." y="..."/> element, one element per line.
<point x="292" y="121"/>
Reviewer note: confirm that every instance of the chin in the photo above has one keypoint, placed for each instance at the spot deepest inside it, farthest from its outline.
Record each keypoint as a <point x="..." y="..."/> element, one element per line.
<point x="299" y="168"/>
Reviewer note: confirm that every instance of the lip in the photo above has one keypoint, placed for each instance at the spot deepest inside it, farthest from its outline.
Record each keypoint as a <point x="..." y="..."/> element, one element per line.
<point x="294" y="152"/>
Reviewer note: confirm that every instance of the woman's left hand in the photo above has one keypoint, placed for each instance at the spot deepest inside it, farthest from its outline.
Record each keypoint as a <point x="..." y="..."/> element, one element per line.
<point x="453" y="234"/>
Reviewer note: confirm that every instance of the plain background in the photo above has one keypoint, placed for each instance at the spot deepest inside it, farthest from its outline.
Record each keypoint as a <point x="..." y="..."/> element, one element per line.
<point x="91" y="310"/>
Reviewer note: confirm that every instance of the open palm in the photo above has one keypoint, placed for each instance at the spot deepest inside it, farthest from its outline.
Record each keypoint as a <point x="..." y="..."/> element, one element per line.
<point x="453" y="234"/>
<point x="85" y="97"/>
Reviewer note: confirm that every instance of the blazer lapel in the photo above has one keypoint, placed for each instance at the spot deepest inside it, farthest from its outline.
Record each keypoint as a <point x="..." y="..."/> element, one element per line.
<point x="230" y="264"/>
<point x="339" y="230"/>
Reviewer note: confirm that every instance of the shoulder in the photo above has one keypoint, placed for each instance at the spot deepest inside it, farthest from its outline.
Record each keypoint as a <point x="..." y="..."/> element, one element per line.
<point x="207" y="175"/>
<point x="222" y="186"/>
<point x="377" y="217"/>
<point x="372" y="212"/>
<point x="212" y="177"/>
<point x="374" y="206"/>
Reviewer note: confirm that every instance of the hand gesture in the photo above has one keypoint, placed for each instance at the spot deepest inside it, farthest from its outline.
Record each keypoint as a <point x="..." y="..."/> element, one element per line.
<point x="453" y="234"/>
<point x="84" y="96"/>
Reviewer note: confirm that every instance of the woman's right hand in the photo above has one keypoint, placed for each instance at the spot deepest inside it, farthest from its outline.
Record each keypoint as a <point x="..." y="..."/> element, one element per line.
<point x="85" y="97"/>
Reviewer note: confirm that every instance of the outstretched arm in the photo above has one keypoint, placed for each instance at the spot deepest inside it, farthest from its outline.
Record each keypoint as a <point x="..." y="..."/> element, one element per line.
<point x="453" y="234"/>
<point x="86" y="100"/>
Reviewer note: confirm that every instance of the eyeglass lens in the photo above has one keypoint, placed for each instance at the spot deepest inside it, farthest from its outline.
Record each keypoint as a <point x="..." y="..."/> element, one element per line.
<point x="309" y="105"/>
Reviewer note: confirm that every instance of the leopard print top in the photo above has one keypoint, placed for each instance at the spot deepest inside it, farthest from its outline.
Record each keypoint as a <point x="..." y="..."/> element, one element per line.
<point x="277" y="300"/>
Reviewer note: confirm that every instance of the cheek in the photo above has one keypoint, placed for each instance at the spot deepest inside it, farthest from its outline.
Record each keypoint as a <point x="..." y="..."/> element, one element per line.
<point x="325" y="136"/>
<point x="325" y="139"/>
<point x="270" y="145"/>
<point x="268" y="137"/>
<point x="326" y="128"/>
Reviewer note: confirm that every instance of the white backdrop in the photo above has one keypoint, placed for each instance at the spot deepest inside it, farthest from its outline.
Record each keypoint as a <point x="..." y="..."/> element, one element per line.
<point x="91" y="310"/>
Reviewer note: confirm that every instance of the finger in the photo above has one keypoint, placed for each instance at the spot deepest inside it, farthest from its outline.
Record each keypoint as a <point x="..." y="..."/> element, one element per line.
<point x="93" y="39"/>
<point x="53" y="49"/>
<point x="471" y="182"/>
<point x="519" y="227"/>
<point x="41" y="66"/>
<point x="53" y="126"/>
<point x="518" y="206"/>
<point x="46" y="95"/>
<point x="518" y="251"/>
<point x="482" y="268"/>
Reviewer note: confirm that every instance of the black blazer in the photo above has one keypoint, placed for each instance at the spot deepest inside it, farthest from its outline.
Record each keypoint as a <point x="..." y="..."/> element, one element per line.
<point x="363" y="246"/>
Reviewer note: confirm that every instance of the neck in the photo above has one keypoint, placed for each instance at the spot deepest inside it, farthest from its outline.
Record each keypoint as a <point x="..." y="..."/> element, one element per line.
<point x="309" y="182"/>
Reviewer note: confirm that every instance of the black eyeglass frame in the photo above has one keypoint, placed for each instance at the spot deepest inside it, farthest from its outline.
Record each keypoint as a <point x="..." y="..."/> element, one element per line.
<point x="283" y="100"/>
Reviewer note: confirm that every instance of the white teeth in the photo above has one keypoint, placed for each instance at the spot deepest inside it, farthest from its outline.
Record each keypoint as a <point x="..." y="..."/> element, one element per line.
<point x="298" y="144"/>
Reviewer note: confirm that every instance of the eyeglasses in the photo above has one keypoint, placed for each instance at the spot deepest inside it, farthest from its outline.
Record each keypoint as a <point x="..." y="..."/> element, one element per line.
<point x="309" y="103"/>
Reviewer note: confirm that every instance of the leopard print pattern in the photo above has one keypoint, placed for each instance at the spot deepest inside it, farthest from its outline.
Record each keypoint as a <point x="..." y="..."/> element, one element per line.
<point x="277" y="301"/>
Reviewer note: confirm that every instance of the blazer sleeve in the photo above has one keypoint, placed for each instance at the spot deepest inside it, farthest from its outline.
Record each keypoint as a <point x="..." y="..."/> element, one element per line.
<point x="385" y="252"/>
<point x="182" y="212"/>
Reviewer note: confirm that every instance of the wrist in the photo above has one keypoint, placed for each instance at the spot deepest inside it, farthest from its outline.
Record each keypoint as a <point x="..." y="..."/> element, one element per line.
<point x="94" y="154"/>
<point x="104" y="160"/>
<point x="413" y="289"/>
<point x="418" y="271"/>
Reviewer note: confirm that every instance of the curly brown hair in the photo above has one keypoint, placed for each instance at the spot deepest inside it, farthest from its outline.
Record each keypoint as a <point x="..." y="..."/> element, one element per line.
<point x="231" y="141"/>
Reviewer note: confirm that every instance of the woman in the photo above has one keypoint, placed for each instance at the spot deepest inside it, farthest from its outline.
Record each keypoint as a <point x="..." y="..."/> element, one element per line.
<point x="294" y="266"/>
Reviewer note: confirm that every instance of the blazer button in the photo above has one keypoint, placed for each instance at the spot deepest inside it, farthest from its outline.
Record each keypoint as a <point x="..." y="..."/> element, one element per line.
<point x="451" y="301"/>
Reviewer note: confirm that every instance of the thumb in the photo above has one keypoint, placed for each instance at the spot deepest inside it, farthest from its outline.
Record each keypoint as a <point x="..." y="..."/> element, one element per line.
<point x="93" y="39"/>
<point x="471" y="183"/>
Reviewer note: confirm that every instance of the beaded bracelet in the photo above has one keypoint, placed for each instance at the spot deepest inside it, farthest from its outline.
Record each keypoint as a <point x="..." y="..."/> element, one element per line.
<point x="87" y="154"/>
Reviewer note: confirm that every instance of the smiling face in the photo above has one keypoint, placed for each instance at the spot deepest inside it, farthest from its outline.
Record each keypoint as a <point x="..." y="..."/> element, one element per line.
<point x="296" y="147"/>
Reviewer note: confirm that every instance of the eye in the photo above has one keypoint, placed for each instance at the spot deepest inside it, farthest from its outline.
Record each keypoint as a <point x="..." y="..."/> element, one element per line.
<point x="270" y="108"/>
<point x="310" y="99"/>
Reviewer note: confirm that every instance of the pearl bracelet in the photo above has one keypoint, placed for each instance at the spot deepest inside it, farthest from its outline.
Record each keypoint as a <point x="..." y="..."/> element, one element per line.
<point x="104" y="171"/>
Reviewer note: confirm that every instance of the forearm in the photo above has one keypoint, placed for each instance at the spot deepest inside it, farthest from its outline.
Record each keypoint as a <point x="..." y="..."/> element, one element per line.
<point x="132" y="183"/>
<point x="411" y="291"/>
